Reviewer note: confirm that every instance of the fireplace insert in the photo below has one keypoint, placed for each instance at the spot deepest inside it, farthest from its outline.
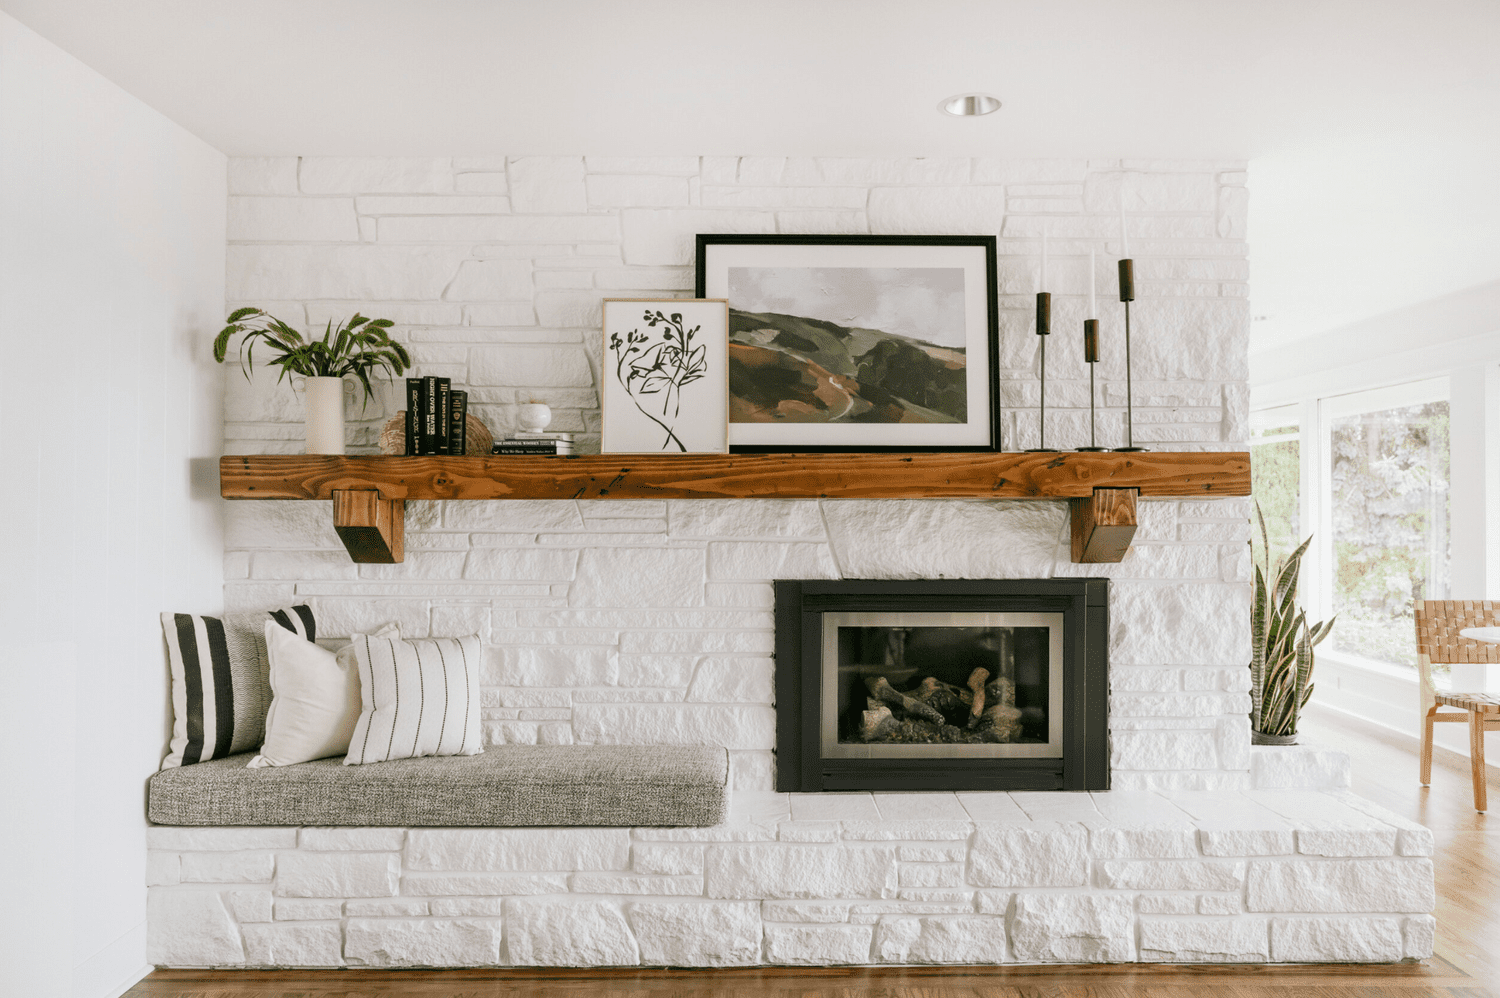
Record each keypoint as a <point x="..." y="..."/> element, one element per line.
<point x="983" y="684"/>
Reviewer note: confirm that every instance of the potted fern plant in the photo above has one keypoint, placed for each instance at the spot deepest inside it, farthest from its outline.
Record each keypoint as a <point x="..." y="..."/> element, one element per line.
<point x="358" y="346"/>
<point x="1281" y="646"/>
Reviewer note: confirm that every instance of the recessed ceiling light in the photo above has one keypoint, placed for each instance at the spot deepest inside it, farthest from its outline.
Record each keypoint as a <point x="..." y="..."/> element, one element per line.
<point x="965" y="105"/>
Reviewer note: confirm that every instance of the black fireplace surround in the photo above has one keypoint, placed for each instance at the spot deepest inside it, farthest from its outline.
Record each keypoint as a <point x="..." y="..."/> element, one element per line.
<point x="1032" y="714"/>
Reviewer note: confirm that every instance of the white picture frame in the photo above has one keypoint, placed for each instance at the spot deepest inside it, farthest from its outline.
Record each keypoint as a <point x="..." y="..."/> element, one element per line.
<point x="664" y="382"/>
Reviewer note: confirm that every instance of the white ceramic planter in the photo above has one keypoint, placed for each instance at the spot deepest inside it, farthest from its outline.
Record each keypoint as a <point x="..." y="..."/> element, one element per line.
<point x="324" y="402"/>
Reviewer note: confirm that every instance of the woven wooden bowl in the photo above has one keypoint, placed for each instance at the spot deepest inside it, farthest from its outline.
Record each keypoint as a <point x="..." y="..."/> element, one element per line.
<point x="393" y="436"/>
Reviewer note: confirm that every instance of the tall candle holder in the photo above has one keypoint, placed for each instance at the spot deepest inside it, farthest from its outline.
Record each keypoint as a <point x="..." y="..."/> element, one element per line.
<point x="1043" y="330"/>
<point x="1091" y="357"/>
<point x="1127" y="295"/>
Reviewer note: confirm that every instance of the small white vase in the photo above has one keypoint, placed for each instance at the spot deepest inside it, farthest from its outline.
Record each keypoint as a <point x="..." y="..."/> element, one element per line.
<point x="324" y="402"/>
<point x="533" y="417"/>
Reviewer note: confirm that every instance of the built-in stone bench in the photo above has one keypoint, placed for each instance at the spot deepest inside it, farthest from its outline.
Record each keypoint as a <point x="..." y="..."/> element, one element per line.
<point x="817" y="879"/>
<point x="503" y="787"/>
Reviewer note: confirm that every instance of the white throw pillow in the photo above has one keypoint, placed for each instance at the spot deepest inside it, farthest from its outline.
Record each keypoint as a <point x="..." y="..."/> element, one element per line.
<point x="418" y="697"/>
<point x="314" y="699"/>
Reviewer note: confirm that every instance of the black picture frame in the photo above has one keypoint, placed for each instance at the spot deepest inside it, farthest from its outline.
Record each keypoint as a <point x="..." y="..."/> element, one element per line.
<point x="992" y="326"/>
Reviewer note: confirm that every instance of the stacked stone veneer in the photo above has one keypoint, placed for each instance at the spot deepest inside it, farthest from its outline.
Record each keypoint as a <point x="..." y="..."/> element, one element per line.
<point x="650" y="622"/>
<point x="818" y="879"/>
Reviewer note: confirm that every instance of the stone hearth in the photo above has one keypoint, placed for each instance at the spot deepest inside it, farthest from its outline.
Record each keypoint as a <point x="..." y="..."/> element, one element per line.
<point x="976" y="878"/>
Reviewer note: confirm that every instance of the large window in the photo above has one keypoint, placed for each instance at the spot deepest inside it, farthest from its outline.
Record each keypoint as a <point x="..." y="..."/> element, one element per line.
<point x="1367" y="474"/>
<point x="1387" y="474"/>
<point x="1276" y="471"/>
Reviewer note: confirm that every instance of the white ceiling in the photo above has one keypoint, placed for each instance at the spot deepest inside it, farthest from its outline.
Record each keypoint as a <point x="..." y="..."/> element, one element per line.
<point x="1371" y="124"/>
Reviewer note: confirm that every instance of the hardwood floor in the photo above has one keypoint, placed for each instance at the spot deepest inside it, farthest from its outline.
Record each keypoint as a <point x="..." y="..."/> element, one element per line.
<point x="1467" y="964"/>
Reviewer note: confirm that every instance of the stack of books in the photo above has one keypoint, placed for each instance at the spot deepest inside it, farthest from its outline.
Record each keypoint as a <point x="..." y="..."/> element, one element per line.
<point x="538" y="444"/>
<point x="436" y="417"/>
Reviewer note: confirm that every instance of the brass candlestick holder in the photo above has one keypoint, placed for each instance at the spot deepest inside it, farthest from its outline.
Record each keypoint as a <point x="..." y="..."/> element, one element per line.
<point x="1043" y="330"/>
<point x="1127" y="295"/>
<point x="1091" y="356"/>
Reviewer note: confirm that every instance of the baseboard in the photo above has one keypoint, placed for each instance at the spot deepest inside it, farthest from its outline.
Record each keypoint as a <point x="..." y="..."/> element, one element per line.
<point x="1442" y="755"/>
<point x="115" y="969"/>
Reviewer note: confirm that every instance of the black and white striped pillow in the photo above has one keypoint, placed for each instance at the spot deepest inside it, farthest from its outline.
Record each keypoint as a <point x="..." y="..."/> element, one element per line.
<point x="418" y="697"/>
<point x="221" y="685"/>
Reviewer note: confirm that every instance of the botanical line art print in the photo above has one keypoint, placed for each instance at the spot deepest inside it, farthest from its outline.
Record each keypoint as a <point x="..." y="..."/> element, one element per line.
<point x="667" y="359"/>
<point x="655" y="368"/>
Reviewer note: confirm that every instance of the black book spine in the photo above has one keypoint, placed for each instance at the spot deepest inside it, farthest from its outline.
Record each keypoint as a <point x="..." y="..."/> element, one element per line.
<point x="413" y="404"/>
<point x="444" y="413"/>
<point x="429" y="436"/>
<point x="458" y="433"/>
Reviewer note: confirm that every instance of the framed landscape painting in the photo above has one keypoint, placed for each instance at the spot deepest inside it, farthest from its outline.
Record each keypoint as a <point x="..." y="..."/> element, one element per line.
<point x="858" y="343"/>
<point x="664" y="386"/>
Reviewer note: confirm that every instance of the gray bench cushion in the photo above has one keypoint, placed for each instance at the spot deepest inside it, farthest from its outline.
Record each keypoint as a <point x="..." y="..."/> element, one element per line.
<point x="508" y="785"/>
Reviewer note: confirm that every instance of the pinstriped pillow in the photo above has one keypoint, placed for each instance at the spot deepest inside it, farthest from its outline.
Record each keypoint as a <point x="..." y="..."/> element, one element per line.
<point x="221" y="685"/>
<point x="418" y="697"/>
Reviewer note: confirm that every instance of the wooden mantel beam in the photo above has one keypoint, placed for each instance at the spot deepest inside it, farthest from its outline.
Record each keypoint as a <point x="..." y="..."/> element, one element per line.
<point x="369" y="492"/>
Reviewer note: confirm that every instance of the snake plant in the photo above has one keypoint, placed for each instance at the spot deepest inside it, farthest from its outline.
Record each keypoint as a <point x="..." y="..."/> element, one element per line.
<point x="358" y="347"/>
<point x="1281" y="642"/>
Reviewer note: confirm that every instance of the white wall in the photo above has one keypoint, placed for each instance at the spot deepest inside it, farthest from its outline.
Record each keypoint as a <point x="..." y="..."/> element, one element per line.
<point x="111" y="282"/>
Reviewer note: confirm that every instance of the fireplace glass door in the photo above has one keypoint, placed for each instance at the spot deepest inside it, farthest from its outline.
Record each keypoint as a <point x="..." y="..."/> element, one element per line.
<point x="919" y="685"/>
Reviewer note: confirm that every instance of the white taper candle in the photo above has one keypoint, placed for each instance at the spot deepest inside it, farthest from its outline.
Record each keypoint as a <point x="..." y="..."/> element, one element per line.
<point x="1044" y="261"/>
<point x="1124" y="243"/>
<point x="1093" y="309"/>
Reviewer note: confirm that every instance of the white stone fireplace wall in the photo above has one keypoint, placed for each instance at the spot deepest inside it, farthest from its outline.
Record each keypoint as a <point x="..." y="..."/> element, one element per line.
<point x="650" y="622"/>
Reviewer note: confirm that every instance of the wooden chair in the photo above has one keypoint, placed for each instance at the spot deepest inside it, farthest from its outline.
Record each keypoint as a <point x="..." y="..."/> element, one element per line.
<point x="1438" y="624"/>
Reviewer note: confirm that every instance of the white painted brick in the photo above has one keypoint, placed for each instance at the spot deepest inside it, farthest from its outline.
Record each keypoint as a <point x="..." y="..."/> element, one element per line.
<point x="520" y="849"/>
<point x="733" y="727"/>
<point x="219" y="839"/>
<point x="277" y="219"/>
<point x="521" y="564"/>
<point x="656" y="670"/>
<point x="491" y="280"/>
<point x="621" y="885"/>
<point x="1398" y="885"/>
<point x="1219" y="904"/>
<point x="1220" y="940"/>
<point x="667" y="237"/>
<point x="547" y="184"/>
<point x="556" y="666"/>
<point x="667" y="859"/>
<point x="637" y="191"/>
<point x="733" y="680"/>
<point x="484" y="884"/>
<point x="308" y="909"/>
<point x="352" y="839"/>
<point x="930" y="875"/>
<point x="362" y="175"/>
<point x="767" y="560"/>
<point x="821" y="222"/>
<point x="1336" y="940"/>
<point x="388" y="907"/>
<point x="1417" y="935"/>
<point x="432" y="205"/>
<point x="190" y="929"/>
<point x="1170" y="875"/>
<point x="263" y="175"/>
<point x="910" y="539"/>
<point x="249" y="906"/>
<point x="337" y="875"/>
<point x="317" y="944"/>
<point x="704" y="934"/>
<point x="344" y="272"/>
<point x="1039" y="855"/>
<point x="480" y="183"/>
<point x="755" y="871"/>
<point x="1164" y="750"/>
<point x="1073" y="928"/>
<point x="959" y="210"/>
<point x="1246" y="842"/>
<point x="926" y="170"/>
<point x="227" y="868"/>
<point x="685" y="166"/>
<point x="818" y="945"/>
<point x="639" y="577"/>
<point x="423" y="942"/>
<point x="678" y="279"/>
<point x="568" y="932"/>
<point x="163" y="869"/>
<point x="1124" y="842"/>
<point x="1167" y="904"/>
<point x="532" y="367"/>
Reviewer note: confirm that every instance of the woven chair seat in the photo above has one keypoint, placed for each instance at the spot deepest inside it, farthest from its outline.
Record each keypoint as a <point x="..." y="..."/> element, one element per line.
<point x="1484" y="703"/>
